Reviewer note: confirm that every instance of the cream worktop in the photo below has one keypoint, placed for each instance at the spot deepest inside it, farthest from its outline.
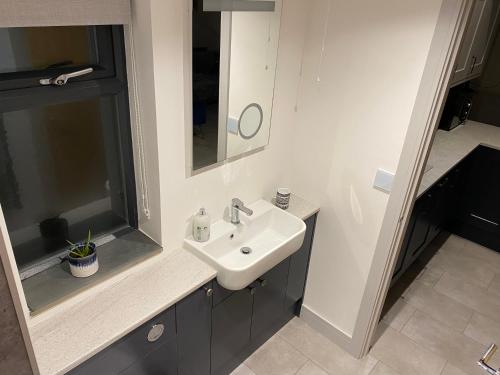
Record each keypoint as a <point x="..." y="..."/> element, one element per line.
<point x="111" y="310"/>
<point x="450" y="147"/>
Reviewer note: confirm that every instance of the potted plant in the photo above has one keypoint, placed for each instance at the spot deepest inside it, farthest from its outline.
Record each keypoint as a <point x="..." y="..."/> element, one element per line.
<point x="82" y="258"/>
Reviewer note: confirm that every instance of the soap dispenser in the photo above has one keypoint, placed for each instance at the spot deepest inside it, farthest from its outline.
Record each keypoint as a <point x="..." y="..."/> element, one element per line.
<point x="201" y="226"/>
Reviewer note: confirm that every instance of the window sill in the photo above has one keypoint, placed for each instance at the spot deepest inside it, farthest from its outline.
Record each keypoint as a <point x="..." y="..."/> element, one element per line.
<point x="56" y="284"/>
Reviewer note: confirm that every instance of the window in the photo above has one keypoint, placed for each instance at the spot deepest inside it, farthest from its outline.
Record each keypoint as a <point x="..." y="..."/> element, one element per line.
<point x="66" y="162"/>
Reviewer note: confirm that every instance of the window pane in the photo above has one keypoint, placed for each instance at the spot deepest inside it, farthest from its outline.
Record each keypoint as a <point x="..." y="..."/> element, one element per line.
<point x="37" y="48"/>
<point x="61" y="175"/>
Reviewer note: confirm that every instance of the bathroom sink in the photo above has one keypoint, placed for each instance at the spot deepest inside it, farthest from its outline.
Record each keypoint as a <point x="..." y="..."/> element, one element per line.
<point x="243" y="252"/>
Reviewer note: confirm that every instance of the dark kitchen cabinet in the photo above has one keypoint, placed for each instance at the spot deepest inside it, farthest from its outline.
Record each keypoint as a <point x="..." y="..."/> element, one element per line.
<point x="269" y="303"/>
<point x="478" y="218"/>
<point x="150" y="349"/>
<point x="466" y="202"/>
<point x="194" y="329"/>
<point x="299" y="266"/>
<point x="231" y="324"/>
<point x="421" y="227"/>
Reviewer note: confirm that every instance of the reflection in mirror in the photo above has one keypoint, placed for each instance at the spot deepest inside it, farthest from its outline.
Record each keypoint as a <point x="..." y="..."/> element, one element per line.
<point x="250" y="121"/>
<point x="234" y="67"/>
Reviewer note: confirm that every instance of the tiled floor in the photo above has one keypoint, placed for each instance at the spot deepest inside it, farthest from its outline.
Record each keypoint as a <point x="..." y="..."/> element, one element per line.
<point x="448" y="314"/>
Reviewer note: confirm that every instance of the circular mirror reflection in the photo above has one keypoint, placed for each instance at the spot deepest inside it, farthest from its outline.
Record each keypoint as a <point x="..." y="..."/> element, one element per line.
<point x="250" y="121"/>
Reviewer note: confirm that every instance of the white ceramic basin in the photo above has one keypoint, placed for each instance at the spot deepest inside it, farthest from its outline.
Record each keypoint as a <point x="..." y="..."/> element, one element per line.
<point x="271" y="233"/>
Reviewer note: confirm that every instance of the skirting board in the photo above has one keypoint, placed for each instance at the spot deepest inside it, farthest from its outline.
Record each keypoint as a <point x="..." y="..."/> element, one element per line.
<point x="319" y="324"/>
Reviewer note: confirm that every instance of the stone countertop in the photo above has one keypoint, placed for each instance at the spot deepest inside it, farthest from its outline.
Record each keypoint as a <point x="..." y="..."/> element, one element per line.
<point x="116" y="307"/>
<point x="449" y="148"/>
<point x="111" y="311"/>
<point x="301" y="207"/>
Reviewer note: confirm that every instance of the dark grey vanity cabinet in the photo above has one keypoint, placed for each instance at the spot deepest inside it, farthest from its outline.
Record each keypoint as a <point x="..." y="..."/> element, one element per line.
<point x="231" y="325"/>
<point x="194" y="330"/>
<point x="299" y="266"/>
<point x="269" y="302"/>
<point x="213" y="330"/>
<point x="150" y="349"/>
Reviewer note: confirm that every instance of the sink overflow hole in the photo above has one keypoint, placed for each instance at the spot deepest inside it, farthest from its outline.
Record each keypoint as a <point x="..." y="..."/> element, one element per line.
<point x="246" y="250"/>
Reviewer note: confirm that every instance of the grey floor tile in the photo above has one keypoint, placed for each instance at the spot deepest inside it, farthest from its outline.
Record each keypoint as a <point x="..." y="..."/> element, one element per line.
<point x="494" y="287"/>
<point x="276" y="357"/>
<point x="405" y="356"/>
<point x="439" y="306"/>
<point x="311" y="369"/>
<point x="473" y="296"/>
<point x="398" y="315"/>
<point x="475" y="271"/>
<point x="430" y="275"/>
<point x="242" y="370"/>
<point x="489" y="257"/>
<point x="324" y="352"/>
<point x="458" y="349"/>
<point x="483" y="329"/>
<point x="449" y="369"/>
<point x="454" y="243"/>
<point x="382" y="369"/>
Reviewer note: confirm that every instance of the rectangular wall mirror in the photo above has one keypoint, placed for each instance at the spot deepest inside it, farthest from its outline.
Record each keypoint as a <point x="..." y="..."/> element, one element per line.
<point x="234" y="55"/>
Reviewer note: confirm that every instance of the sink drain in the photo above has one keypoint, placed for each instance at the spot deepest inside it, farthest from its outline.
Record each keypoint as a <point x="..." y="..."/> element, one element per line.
<point x="246" y="250"/>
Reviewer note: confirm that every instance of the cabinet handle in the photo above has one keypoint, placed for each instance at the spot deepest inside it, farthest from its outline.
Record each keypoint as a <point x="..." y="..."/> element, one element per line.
<point x="208" y="291"/>
<point x="251" y="289"/>
<point x="156" y="332"/>
<point x="262" y="282"/>
<point x="485" y="220"/>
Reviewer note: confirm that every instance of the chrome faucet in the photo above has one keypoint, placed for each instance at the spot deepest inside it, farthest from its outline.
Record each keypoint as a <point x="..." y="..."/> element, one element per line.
<point x="237" y="206"/>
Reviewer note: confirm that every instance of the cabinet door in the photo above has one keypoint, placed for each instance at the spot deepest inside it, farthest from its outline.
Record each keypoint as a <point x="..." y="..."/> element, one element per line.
<point x="420" y="228"/>
<point x="400" y="263"/>
<point x="194" y="328"/>
<point x="156" y="362"/>
<point x="269" y="302"/>
<point x="138" y="352"/>
<point x="479" y="216"/>
<point x="299" y="265"/>
<point x="437" y="213"/>
<point x="484" y="35"/>
<point x="231" y="322"/>
<point x="464" y="59"/>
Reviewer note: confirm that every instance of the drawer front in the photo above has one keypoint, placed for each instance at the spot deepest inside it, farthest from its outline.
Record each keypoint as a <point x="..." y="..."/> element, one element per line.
<point x="134" y="347"/>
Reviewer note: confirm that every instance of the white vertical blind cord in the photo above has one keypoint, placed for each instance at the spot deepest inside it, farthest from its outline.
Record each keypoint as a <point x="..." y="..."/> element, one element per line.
<point x="138" y="128"/>
<point x="323" y="43"/>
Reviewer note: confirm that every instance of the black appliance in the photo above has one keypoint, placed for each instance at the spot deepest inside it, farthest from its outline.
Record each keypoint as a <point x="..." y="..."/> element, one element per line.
<point x="457" y="107"/>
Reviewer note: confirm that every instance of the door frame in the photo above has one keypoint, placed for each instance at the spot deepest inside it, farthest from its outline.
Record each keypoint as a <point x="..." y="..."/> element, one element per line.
<point x="450" y="29"/>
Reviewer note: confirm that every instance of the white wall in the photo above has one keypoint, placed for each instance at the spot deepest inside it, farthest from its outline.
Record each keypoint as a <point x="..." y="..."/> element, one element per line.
<point x="351" y="122"/>
<point x="249" y="178"/>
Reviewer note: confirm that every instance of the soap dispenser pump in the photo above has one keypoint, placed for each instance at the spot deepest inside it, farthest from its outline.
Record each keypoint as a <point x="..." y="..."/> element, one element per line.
<point x="201" y="226"/>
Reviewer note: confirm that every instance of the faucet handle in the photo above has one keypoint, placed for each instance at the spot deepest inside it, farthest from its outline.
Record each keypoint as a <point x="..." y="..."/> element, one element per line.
<point x="237" y="202"/>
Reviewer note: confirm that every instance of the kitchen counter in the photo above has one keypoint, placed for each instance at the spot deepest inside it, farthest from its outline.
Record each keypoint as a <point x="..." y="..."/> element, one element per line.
<point x="449" y="148"/>
<point x="109" y="311"/>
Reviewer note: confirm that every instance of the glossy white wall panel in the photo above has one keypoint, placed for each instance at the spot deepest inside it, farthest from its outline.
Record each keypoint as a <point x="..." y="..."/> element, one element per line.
<point x="354" y="110"/>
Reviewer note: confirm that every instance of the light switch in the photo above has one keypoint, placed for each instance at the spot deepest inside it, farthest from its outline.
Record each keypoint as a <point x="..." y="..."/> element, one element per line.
<point x="383" y="181"/>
